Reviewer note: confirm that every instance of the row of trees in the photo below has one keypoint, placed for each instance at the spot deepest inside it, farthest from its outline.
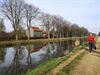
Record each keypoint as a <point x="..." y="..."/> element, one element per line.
<point x="21" y="14"/>
<point x="59" y="27"/>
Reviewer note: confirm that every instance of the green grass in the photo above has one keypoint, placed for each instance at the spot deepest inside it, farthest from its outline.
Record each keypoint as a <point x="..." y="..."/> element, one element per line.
<point x="69" y="67"/>
<point x="20" y="42"/>
<point x="47" y="66"/>
<point x="85" y="44"/>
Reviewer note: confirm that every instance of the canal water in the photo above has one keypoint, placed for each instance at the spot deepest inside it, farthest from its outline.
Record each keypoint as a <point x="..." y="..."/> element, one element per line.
<point x="16" y="60"/>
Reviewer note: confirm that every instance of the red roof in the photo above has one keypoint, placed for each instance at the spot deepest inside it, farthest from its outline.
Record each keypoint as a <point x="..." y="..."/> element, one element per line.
<point x="39" y="30"/>
<point x="36" y="49"/>
<point x="36" y="29"/>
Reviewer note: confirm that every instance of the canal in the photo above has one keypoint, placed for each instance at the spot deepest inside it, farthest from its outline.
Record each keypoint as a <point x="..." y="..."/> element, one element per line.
<point x="16" y="60"/>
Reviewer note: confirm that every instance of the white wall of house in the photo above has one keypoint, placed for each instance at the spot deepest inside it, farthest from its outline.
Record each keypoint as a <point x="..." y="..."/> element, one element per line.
<point x="38" y="34"/>
<point x="34" y="33"/>
<point x="31" y="32"/>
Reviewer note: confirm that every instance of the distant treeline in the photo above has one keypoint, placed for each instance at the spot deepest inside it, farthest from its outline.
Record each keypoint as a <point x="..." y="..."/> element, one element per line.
<point x="21" y="15"/>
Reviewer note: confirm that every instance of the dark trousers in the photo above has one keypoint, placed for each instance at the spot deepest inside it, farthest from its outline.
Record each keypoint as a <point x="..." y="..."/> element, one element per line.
<point x="92" y="46"/>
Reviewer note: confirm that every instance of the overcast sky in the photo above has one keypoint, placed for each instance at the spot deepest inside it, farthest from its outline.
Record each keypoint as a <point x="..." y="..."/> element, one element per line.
<point x="82" y="12"/>
<point x="85" y="13"/>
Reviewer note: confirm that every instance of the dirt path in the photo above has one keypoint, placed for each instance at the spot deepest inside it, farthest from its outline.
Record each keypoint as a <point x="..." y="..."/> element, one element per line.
<point x="56" y="70"/>
<point x="90" y="63"/>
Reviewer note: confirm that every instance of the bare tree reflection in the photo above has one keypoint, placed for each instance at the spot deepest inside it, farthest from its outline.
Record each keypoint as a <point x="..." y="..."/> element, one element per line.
<point x="14" y="68"/>
<point x="2" y="54"/>
<point x="29" y="59"/>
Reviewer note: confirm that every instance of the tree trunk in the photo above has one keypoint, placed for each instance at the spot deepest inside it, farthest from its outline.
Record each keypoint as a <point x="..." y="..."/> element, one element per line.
<point x="28" y="34"/>
<point x="28" y="37"/>
<point x="48" y="35"/>
<point x="53" y="35"/>
<point x="28" y="30"/>
<point x="67" y="34"/>
<point x="60" y="35"/>
<point x="56" y="35"/>
<point x="16" y="36"/>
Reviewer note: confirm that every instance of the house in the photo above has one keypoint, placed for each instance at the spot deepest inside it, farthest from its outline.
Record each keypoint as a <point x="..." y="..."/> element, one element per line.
<point x="36" y="32"/>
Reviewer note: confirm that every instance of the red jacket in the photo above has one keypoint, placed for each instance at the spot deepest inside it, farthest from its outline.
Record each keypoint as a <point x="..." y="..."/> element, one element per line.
<point x="91" y="39"/>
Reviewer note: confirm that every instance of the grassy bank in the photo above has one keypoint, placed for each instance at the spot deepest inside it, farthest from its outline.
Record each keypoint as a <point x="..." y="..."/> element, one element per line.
<point x="47" y="66"/>
<point x="19" y="42"/>
<point x="66" y="70"/>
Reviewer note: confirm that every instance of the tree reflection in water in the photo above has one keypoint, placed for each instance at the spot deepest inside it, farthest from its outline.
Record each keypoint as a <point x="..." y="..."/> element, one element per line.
<point x="23" y="58"/>
<point x="2" y="55"/>
<point x="15" y="68"/>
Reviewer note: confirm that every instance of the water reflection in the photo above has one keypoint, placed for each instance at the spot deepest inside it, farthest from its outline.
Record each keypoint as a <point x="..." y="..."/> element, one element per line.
<point x="2" y="53"/>
<point x="17" y="60"/>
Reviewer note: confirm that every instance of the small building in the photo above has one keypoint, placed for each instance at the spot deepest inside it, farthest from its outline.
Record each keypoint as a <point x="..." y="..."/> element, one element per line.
<point x="36" y="32"/>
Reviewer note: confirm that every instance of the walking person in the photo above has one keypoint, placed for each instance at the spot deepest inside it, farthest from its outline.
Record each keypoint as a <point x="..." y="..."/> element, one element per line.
<point x="91" y="42"/>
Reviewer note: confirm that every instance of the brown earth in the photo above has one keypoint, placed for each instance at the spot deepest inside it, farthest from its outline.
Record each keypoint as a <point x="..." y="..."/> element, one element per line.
<point x="89" y="64"/>
<point x="56" y="70"/>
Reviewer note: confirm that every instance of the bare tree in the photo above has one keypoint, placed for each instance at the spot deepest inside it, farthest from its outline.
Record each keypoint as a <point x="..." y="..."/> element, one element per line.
<point x="47" y="21"/>
<point x="2" y="26"/>
<point x="53" y="31"/>
<point x="59" y="22"/>
<point x="83" y="31"/>
<point x="13" y="10"/>
<point x="2" y="29"/>
<point x="66" y="29"/>
<point x="30" y="13"/>
<point x="75" y="29"/>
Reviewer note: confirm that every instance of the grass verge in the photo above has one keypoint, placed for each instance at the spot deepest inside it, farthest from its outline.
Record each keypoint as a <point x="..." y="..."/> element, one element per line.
<point x="21" y="42"/>
<point x="66" y="70"/>
<point x="47" y="66"/>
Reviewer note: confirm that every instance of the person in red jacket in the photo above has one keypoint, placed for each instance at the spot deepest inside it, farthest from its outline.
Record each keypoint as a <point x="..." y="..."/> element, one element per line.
<point x="91" y="41"/>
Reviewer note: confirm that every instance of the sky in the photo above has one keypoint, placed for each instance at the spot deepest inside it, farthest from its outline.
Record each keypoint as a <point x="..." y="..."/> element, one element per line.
<point x="85" y="13"/>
